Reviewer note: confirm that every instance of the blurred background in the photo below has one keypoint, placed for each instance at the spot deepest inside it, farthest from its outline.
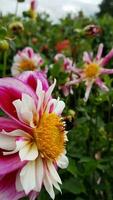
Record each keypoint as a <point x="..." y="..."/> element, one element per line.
<point x="56" y="9"/>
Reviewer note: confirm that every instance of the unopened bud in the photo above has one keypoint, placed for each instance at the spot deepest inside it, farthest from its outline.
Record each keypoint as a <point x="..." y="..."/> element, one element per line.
<point x="4" y="45"/>
<point x="16" y="27"/>
<point x="92" y="30"/>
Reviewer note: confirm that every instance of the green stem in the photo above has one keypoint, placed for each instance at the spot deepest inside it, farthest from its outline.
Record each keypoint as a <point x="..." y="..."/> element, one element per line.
<point x="16" y="10"/>
<point x="4" y="63"/>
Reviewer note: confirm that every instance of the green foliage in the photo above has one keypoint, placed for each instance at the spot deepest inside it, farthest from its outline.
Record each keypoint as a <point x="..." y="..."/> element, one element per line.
<point x="106" y="7"/>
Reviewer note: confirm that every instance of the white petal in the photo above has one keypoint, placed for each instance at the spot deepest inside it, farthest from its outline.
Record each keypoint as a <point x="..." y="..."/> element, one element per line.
<point x="48" y="93"/>
<point x="17" y="104"/>
<point x="5" y="153"/>
<point x="52" y="103"/>
<point x="63" y="162"/>
<point x="23" y="112"/>
<point x="88" y="89"/>
<point x="53" y="172"/>
<point x="40" y="93"/>
<point x="27" y="116"/>
<point x="55" y="184"/>
<point x="39" y="87"/>
<point x="39" y="174"/>
<point x="27" y="177"/>
<point x="17" y="58"/>
<point x="29" y="151"/>
<point x="18" y="183"/>
<point x="19" y="145"/>
<point x="48" y="184"/>
<point x="17" y="132"/>
<point x="7" y="142"/>
<point x="15" y="70"/>
<point x="29" y="102"/>
<point x="40" y="100"/>
<point x="25" y="109"/>
<point x="59" y="107"/>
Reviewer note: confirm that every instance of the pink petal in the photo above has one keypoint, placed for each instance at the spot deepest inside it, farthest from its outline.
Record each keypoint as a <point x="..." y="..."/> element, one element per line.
<point x="99" y="53"/>
<point x="66" y="90"/>
<point x="107" y="58"/>
<point x="10" y="90"/>
<point x="88" y="90"/>
<point x="29" y="51"/>
<point x="33" y="195"/>
<point x="31" y="77"/>
<point x="102" y="86"/>
<point x="106" y="71"/>
<point x="9" y="125"/>
<point x="86" y="57"/>
<point x="7" y="188"/>
<point x="48" y="93"/>
<point x="10" y="163"/>
<point x="74" y="82"/>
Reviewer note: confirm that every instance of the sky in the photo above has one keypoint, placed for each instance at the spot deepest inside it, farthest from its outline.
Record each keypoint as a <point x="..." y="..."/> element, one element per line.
<point x="56" y="8"/>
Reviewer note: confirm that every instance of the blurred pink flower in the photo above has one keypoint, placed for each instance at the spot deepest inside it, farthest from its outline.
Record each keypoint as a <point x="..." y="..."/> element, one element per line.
<point x="26" y="60"/>
<point x="92" y="71"/>
<point x="68" y="67"/>
<point x="34" y="4"/>
<point x="92" y="30"/>
<point x="32" y="138"/>
<point x="33" y="9"/>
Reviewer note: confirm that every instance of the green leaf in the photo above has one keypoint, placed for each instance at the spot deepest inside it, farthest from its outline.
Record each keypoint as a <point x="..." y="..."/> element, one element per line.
<point x="74" y="186"/>
<point x="3" y="32"/>
<point x="72" y="168"/>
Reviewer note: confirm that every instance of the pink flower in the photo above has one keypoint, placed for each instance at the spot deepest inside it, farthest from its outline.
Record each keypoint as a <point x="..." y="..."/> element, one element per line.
<point x="26" y="60"/>
<point x="32" y="138"/>
<point x="68" y="67"/>
<point x="92" y="30"/>
<point x="33" y="9"/>
<point x="33" y="5"/>
<point x="92" y="70"/>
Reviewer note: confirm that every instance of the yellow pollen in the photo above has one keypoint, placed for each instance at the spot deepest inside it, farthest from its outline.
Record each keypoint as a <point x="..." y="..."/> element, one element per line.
<point x="91" y="70"/>
<point x="50" y="136"/>
<point x="27" y="65"/>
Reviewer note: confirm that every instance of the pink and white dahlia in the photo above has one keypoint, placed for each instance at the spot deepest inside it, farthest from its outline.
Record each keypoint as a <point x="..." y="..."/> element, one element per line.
<point x="68" y="67"/>
<point x="92" y="71"/>
<point x="26" y="60"/>
<point x="32" y="137"/>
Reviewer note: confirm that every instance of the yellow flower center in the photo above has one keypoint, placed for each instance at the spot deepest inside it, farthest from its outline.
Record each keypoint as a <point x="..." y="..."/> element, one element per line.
<point x="91" y="70"/>
<point x="27" y="65"/>
<point x="49" y="136"/>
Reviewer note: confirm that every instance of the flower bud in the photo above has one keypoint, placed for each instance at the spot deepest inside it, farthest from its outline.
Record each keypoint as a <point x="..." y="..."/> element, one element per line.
<point x="4" y="45"/>
<point x="34" y="40"/>
<point x="92" y="30"/>
<point x="16" y="27"/>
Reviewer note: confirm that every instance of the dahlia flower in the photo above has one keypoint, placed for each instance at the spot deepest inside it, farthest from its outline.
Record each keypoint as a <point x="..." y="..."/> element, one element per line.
<point x="26" y="60"/>
<point x="92" y="70"/>
<point x="68" y="67"/>
<point x="32" y="137"/>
